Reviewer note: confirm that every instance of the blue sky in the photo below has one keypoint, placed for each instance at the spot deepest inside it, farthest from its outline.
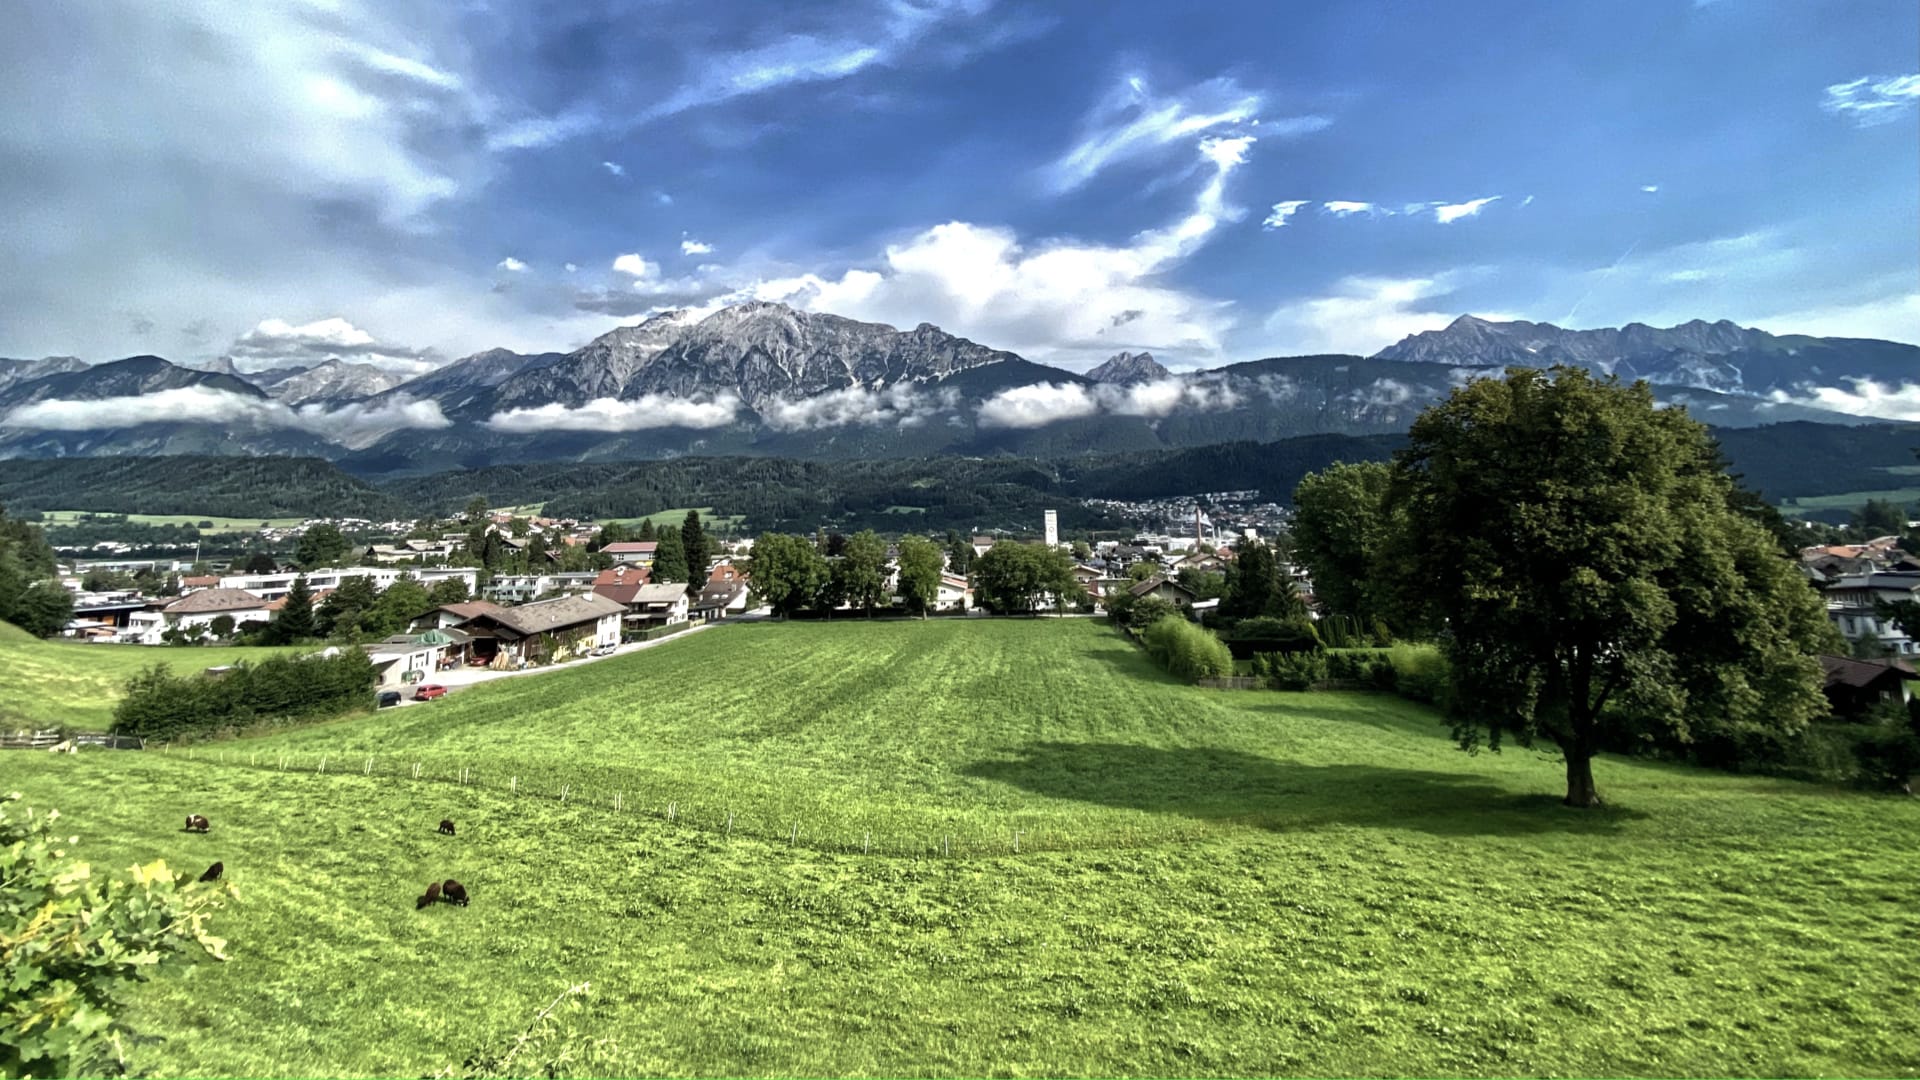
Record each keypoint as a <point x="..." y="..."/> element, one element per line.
<point x="1214" y="183"/>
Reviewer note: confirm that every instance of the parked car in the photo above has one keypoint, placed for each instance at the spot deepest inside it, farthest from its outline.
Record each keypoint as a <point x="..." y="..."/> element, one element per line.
<point x="389" y="697"/>
<point x="429" y="691"/>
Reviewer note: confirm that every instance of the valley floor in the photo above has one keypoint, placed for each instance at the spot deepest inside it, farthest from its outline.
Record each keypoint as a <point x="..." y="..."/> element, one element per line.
<point x="1207" y="883"/>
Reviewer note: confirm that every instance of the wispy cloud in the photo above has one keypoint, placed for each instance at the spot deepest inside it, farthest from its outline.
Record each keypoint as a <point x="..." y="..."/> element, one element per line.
<point x="1872" y="100"/>
<point x="1132" y="121"/>
<point x="1361" y="315"/>
<point x="276" y="343"/>
<point x="1349" y="207"/>
<point x="201" y="404"/>
<point x="1651" y="189"/>
<point x="1039" y="404"/>
<point x="1281" y="212"/>
<point x="1452" y="212"/>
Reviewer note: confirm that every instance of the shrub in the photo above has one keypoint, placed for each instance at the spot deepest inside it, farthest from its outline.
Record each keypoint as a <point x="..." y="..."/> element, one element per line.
<point x="1252" y="636"/>
<point x="1420" y="673"/>
<point x="70" y="941"/>
<point x="1144" y="611"/>
<point x="1291" y="671"/>
<point x="1186" y="650"/>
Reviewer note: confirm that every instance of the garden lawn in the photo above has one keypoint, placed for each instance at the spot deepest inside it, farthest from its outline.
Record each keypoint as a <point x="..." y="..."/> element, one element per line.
<point x="46" y="684"/>
<point x="1217" y="883"/>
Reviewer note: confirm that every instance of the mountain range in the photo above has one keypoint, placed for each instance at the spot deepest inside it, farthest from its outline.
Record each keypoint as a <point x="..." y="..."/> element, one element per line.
<point x="766" y="379"/>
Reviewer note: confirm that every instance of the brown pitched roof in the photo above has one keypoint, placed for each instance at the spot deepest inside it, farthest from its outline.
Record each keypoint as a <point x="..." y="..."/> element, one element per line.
<point x="471" y="608"/>
<point x="632" y="547"/>
<point x="200" y="581"/>
<point x="1846" y="671"/>
<point x="622" y="575"/>
<point x="1153" y="583"/>
<point x="209" y="601"/>
<point x="544" y="616"/>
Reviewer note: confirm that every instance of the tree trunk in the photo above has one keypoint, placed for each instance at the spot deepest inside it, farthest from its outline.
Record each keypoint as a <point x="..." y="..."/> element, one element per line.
<point x="1580" y="790"/>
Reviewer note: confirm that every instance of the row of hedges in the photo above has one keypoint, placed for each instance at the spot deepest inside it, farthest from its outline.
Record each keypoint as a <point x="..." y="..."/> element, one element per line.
<point x="1185" y="650"/>
<point x="652" y="633"/>
<point x="162" y="706"/>
<point x="1416" y="672"/>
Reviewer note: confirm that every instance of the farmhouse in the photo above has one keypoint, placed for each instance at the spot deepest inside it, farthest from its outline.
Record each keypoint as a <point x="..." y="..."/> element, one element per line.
<point x="449" y="615"/>
<point x="632" y="552"/>
<point x="543" y="631"/>
<point x="1853" y="686"/>
<point x="203" y="607"/>
<point x="404" y="660"/>
<point x="1171" y="591"/>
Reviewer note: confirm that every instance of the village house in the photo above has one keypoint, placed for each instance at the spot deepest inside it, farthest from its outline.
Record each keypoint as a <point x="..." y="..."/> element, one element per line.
<point x="1853" y="604"/>
<point x="632" y="552"/>
<point x="275" y="586"/>
<point x="646" y="605"/>
<point x="520" y="588"/>
<point x="450" y="615"/>
<point x="203" y="607"/>
<point x="545" y="631"/>
<point x="954" y="594"/>
<point x="1854" y="686"/>
<point x="724" y="594"/>
<point x="405" y="659"/>
<point x="1165" y="589"/>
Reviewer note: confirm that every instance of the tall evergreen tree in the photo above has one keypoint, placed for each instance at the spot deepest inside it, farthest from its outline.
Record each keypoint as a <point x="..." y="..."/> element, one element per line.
<point x="959" y="553"/>
<point x="669" y="559"/>
<point x="1259" y="586"/>
<point x="697" y="548"/>
<point x="647" y="531"/>
<point x="294" y="622"/>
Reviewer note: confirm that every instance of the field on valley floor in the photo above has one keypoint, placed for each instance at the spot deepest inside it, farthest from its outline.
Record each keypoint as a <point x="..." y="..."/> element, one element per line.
<point x="1207" y="883"/>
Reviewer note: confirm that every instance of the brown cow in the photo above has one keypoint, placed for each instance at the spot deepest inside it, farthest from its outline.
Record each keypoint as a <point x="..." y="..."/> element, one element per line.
<point x="454" y="893"/>
<point x="213" y="872"/>
<point x="432" y="897"/>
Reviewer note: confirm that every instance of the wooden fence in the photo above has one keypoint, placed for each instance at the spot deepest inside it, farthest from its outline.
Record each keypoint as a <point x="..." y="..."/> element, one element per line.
<point x="52" y="737"/>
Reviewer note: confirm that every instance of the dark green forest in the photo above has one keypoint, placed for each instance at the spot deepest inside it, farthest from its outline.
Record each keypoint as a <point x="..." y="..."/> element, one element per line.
<point x="886" y="494"/>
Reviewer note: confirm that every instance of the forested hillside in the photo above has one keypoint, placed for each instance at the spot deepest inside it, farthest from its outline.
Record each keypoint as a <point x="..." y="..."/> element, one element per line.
<point x="215" y="486"/>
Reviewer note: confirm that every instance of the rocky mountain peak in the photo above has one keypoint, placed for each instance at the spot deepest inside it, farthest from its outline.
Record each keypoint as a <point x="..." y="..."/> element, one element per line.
<point x="1129" y="367"/>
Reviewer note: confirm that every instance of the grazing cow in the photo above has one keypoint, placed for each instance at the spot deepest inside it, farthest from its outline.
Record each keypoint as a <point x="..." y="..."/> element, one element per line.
<point x="454" y="893"/>
<point x="213" y="872"/>
<point x="196" y="823"/>
<point x="432" y="897"/>
<point x="446" y="826"/>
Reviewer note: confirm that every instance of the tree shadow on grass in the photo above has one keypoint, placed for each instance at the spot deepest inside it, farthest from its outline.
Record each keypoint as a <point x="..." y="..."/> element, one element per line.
<point x="1234" y="786"/>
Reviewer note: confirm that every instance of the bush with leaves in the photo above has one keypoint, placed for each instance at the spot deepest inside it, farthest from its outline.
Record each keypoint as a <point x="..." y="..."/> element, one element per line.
<point x="160" y="705"/>
<point x="1291" y="671"/>
<point x="70" y="942"/>
<point x="1186" y="650"/>
<point x="1268" y="634"/>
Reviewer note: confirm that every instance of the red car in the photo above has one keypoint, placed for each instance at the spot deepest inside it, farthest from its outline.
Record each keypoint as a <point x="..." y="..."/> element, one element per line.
<point x="429" y="691"/>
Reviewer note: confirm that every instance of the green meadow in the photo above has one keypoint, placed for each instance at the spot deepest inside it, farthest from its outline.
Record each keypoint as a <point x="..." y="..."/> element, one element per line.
<point x="46" y="684"/>
<point x="994" y="848"/>
<point x="220" y="524"/>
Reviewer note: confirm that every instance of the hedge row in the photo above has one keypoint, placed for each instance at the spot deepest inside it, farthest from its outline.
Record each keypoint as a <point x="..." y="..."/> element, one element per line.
<point x="1185" y="650"/>
<point x="161" y="706"/>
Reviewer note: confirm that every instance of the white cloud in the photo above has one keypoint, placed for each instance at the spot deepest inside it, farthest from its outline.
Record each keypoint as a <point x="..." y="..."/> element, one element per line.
<point x="511" y="265"/>
<point x="571" y="268"/>
<point x="1872" y="100"/>
<point x="615" y="168"/>
<point x="611" y="414"/>
<point x="1037" y="405"/>
<point x="1866" y="398"/>
<point x="276" y="343"/>
<point x="1452" y="212"/>
<point x="900" y="405"/>
<point x="1040" y="404"/>
<point x="1651" y="189"/>
<point x="1895" y="317"/>
<point x="695" y="247"/>
<point x="1346" y="207"/>
<point x="1363" y="316"/>
<point x="1528" y="201"/>
<point x="1281" y="212"/>
<point x="1382" y="394"/>
<point x="636" y="266"/>
<point x="355" y="424"/>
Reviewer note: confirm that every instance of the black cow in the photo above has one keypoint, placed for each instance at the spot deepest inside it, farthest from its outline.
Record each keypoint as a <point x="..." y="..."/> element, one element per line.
<point x="213" y="872"/>
<point x="454" y="893"/>
<point x="196" y="823"/>
<point x="446" y="826"/>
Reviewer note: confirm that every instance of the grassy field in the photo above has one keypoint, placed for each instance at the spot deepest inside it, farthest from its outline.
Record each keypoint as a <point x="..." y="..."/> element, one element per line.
<point x="1852" y="500"/>
<point x="63" y="684"/>
<point x="708" y="519"/>
<point x="220" y="524"/>
<point x="1215" y="883"/>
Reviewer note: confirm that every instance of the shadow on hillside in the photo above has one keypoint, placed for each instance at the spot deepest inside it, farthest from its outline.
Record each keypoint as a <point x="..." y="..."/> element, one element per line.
<point x="1231" y="785"/>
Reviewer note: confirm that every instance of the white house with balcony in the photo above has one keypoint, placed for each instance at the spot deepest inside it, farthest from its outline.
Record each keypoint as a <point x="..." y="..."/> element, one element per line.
<point x="1852" y="604"/>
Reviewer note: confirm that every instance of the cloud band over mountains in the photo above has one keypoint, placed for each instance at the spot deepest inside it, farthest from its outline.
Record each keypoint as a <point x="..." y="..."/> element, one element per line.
<point x="201" y="404"/>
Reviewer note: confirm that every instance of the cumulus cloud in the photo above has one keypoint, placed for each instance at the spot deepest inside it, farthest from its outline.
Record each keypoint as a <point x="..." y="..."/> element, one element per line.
<point x="1281" y="212"/>
<point x="511" y="265"/>
<point x="1040" y="404"/>
<point x="1449" y="213"/>
<point x="1363" y="315"/>
<point x="351" y="424"/>
<point x="611" y="414"/>
<point x="571" y="268"/>
<point x="276" y="343"/>
<point x="636" y="266"/>
<point x="1865" y="398"/>
<point x="695" y="247"/>
<point x="614" y="167"/>
<point x="900" y="405"/>
<point x="1872" y="100"/>
<point x="1382" y="394"/>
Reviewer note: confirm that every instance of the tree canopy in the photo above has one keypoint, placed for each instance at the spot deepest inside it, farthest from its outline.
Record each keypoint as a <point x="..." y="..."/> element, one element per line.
<point x="1015" y="578"/>
<point x="1258" y="585"/>
<point x="669" y="559"/>
<point x="787" y="572"/>
<point x="1577" y="553"/>
<point x="859" y="575"/>
<point x="1339" y="523"/>
<point x="920" y="566"/>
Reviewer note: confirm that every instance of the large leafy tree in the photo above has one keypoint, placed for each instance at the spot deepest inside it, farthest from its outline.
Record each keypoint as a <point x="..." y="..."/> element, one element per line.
<point x="920" y="563"/>
<point x="397" y="606"/>
<point x="321" y="545"/>
<point x="1013" y="577"/>
<point x="1577" y="552"/>
<point x="1259" y="586"/>
<point x="787" y="572"/>
<point x="859" y="575"/>
<point x="31" y="597"/>
<point x="1340" y="521"/>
